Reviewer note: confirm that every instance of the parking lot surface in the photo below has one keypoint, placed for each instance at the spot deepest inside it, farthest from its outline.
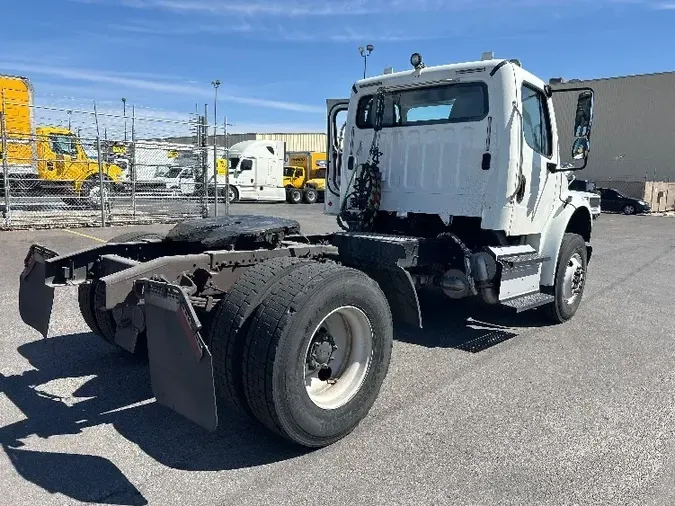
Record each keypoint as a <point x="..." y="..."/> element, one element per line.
<point x="581" y="413"/>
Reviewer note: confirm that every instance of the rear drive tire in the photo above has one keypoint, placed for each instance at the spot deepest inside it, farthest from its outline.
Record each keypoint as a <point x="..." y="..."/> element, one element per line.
<point x="319" y="322"/>
<point x="311" y="196"/>
<point x="570" y="279"/>
<point x="227" y="335"/>
<point x="91" y="298"/>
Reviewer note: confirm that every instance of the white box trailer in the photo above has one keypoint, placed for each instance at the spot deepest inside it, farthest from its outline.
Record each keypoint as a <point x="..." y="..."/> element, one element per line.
<point x="151" y="160"/>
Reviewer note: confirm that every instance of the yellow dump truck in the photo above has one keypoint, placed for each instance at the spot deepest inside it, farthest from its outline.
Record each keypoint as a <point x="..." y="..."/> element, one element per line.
<point x="304" y="176"/>
<point x="48" y="159"/>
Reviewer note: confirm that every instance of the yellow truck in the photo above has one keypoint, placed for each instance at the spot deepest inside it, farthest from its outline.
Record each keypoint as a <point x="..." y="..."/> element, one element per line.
<point x="305" y="176"/>
<point x="48" y="159"/>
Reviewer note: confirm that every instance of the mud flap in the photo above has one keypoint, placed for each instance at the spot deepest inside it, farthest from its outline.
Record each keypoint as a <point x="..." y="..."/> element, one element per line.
<point x="36" y="297"/>
<point x="181" y="366"/>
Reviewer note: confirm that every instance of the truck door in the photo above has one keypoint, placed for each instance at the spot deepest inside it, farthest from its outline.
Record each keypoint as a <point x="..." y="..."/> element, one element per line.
<point x="246" y="176"/>
<point x="337" y="117"/>
<point x="536" y="194"/>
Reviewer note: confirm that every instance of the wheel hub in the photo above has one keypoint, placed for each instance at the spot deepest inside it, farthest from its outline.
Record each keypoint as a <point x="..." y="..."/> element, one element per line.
<point x="321" y="350"/>
<point x="574" y="279"/>
<point x="338" y="357"/>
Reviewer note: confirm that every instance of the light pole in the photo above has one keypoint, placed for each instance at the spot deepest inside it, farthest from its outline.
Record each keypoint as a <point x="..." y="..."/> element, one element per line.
<point x="227" y="169"/>
<point x="70" y="113"/>
<point x="215" y="85"/>
<point x="124" y="113"/>
<point x="365" y="53"/>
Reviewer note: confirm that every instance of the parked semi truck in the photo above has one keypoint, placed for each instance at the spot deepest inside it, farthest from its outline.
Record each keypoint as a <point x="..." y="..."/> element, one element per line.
<point x="48" y="159"/>
<point x="460" y="188"/>
<point x="257" y="172"/>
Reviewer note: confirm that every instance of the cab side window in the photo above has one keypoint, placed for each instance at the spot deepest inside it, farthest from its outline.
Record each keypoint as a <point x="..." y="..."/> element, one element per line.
<point x="536" y="121"/>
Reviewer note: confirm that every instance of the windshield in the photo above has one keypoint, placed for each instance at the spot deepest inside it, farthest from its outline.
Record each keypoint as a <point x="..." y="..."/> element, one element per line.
<point x="64" y="144"/>
<point x="234" y="161"/>
<point x="288" y="171"/>
<point x="173" y="172"/>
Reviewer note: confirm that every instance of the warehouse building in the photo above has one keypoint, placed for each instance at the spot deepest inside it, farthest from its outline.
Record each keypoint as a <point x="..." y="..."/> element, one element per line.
<point x="294" y="141"/>
<point x="633" y="134"/>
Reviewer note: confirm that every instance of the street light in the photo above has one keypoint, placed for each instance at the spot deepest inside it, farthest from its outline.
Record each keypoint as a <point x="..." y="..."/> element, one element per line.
<point x="365" y="53"/>
<point x="124" y="113"/>
<point x="215" y="85"/>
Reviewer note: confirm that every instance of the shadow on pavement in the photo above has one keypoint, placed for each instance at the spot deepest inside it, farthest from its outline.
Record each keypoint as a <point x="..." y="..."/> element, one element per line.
<point x="466" y="324"/>
<point x="75" y="476"/>
<point x="120" y="382"/>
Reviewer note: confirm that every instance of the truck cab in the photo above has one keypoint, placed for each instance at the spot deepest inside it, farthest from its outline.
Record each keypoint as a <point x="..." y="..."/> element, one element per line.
<point x="256" y="171"/>
<point x="465" y="148"/>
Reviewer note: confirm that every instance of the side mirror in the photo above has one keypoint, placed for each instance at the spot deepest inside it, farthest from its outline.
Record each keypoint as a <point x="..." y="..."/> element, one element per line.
<point x="584" y="115"/>
<point x="581" y="145"/>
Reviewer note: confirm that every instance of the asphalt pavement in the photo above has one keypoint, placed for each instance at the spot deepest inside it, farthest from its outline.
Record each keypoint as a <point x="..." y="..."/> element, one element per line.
<point x="580" y="413"/>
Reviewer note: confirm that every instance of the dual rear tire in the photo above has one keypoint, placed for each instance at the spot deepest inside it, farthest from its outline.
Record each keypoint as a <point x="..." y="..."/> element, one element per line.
<point x="91" y="300"/>
<point x="303" y="347"/>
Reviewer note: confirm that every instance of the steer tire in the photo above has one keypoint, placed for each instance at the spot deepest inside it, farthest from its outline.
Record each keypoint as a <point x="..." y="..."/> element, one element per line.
<point x="560" y="311"/>
<point x="227" y="334"/>
<point x="275" y="354"/>
<point x="294" y="196"/>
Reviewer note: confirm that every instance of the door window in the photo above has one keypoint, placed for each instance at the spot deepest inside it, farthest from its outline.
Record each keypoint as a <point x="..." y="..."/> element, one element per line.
<point x="536" y="121"/>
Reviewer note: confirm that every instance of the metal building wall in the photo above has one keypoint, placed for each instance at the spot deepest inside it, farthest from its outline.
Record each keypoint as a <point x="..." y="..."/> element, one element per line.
<point x="297" y="141"/>
<point x="633" y="135"/>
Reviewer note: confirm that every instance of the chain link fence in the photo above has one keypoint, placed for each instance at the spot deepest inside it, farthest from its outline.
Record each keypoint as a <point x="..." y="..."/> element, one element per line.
<point x="96" y="166"/>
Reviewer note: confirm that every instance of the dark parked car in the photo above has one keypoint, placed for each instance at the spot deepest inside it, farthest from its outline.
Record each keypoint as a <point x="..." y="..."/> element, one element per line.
<point x="614" y="201"/>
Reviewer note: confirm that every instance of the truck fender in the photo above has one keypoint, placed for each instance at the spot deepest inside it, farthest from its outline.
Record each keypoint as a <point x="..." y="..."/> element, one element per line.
<point x="399" y="288"/>
<point x="572" y="217"/>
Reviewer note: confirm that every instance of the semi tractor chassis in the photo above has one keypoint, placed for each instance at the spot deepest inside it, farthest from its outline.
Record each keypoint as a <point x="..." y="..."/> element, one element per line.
<point x="293" y="330"/>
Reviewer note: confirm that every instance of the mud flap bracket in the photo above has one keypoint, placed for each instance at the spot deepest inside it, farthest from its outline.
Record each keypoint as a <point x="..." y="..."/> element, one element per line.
<point x="181" y="366"/>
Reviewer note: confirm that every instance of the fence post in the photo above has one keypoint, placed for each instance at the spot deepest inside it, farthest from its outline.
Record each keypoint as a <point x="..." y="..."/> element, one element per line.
<point x="133" y="160"/>
<point x="227" y="170"/>
<point x="100" y="168"/>
<point x="6" y="214"/>
<point x="215" y="162"/>
<point x="203" y="162"/>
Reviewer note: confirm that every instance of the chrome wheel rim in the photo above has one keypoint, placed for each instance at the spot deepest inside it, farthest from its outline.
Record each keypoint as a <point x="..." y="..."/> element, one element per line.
<point x="574" y="279"/>
<point x="338" y="357"/>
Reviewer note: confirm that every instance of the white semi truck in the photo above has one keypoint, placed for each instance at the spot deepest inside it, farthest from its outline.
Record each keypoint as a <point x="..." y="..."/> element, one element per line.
<point x="450" y="178"/>
<point x="256" y="172"/>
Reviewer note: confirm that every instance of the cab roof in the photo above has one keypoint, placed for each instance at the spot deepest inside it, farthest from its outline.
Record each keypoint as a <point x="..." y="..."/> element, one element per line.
<point x="478" y="68"/>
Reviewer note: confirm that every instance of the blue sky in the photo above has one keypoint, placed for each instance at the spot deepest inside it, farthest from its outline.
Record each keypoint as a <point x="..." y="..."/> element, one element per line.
<point x="279" y="60"/>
